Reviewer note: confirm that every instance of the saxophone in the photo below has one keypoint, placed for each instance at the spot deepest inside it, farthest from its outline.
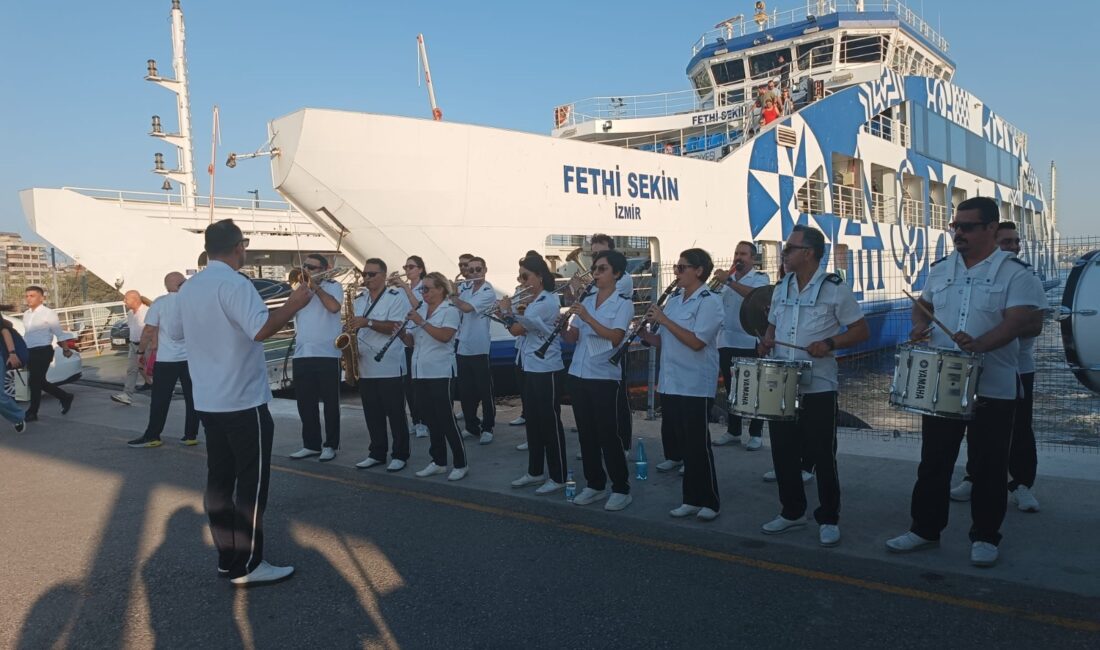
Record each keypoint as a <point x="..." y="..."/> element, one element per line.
<point x="348" y="343"/>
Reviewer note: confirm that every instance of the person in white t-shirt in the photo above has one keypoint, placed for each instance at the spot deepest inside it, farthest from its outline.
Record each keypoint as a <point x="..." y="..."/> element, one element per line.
<point x="135" y="320"/>
<point x="224" y="323"/>
<point x="317" y="363"/>
<point x="170" y="366"/>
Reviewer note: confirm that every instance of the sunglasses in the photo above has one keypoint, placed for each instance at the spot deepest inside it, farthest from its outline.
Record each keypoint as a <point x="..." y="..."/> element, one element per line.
<point x="523" y="277"/>
<point x="680" y="268"/>
<point x="794" y="247"/>
<point x="965" y="226"/>
<point x="371" y="274"/>
<point x="474" y="269"/>
<point x="409" y="267"/>
<point x="425" y="289"/>
<point x="244" y="242"/>
<point x="311" y="267"/>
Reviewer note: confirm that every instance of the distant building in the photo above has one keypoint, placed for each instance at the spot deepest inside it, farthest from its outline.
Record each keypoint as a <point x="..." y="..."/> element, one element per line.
<point x="23" y="260"/>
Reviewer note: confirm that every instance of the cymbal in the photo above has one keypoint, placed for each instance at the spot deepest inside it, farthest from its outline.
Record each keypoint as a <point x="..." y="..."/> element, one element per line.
<point x="754" y="310"/>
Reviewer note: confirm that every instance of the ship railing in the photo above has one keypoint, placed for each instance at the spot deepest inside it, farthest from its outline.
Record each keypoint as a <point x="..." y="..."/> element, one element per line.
<point x="654" y="105"/>
<point x="888" y="128"/>
<point x="912" y="211"/>
<point x="884" y="208"/>
<point x="743" y="25"/>
<point x="811" y="197"/>
<point x="91" y="324"/>
<point x="847" y="202"/>
<point x="938" y="216"/>
<point x="175" y="200"/>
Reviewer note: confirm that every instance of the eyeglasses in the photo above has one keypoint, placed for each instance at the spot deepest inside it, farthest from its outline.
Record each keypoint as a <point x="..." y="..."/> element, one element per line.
<point x="463" y="265"/>
<point x="311" y="267"/>
<point x="523" y="277"/>
<point x="795" y="247"/>
<point x="409" y="267"/>
<point x="1010" y="241"/>
<point x="600" y="268"/>
<point x="965" y="226"/>
<point x="474" y="269"/>
<point x="425" y="289"/>
<point x="680" y="268"/>
<point x="244" y="242"/>
<point x="371" y="274"/>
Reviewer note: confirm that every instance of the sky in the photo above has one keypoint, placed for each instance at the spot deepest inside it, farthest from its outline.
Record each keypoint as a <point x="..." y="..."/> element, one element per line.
<point x="75" y="110"/>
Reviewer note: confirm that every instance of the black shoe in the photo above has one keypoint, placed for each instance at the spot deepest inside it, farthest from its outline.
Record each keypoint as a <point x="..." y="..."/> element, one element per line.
<point x="66" y="405"/>
<point x="138" y="443"/>
<point x="144" y="387"/>
<point x="30" y="417"/>
<point x="20" y="426"/>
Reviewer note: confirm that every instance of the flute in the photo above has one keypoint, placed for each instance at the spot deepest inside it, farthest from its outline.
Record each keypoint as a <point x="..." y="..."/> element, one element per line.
<point x="395" y="335"/>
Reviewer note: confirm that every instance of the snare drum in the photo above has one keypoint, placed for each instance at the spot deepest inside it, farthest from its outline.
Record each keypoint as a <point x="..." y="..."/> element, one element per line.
<point x="935" y="381"/>
<point x="767" y="389"/>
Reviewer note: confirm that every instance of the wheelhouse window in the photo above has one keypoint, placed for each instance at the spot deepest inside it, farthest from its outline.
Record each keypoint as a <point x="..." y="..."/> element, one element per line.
<point x="701" y="81"/>
<point x="727" y="72"/>
<point x="862" y="49"/>
<point x="770" y="64"/>
<point x="815" y="54"/>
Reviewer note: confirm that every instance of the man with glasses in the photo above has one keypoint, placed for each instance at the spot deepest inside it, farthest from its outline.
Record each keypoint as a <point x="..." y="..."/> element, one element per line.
<point x="1022" y="459"/>
<point x="317" y="362"/>
<point x="381" y="383"/>
<point x="990" y="299"/>
<point x="224" y="324"/>
<point x="815" y="311"/>
<point x="475" y="376"/>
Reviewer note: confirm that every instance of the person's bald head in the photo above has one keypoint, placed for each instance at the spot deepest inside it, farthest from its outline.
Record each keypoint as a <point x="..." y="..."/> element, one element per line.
<point x="173" y="280"/>
<point x="132" y="300"/>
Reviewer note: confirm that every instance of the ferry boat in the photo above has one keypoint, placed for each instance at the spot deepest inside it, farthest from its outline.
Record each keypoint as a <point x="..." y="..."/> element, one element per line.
<point x="133" y="239"/>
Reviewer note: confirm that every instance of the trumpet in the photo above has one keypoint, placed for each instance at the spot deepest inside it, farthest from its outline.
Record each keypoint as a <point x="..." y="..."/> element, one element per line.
<point x="396" y="277"/>
<point x="524" y="294"/>
<point x="294" y="278"/>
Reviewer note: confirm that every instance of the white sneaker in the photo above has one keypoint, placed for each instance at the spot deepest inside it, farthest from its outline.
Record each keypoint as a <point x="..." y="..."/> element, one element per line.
<point x="467" y="434"/>
<point x="527" y="479"/>
<point x="769" y="476"/>
<point x="458" y="473"/>
<point x="549" y="486"/>
<point x="828" y="535"/>
<point x="264" y="574"/>
<point x="421" y="430"/>
<point x="807" y="477"/>
<point x="518" y="422"/>
<point x="617" y="502"/>
<point x="1024" y="499"/>
<point x="396" y="465"/>
<point x="431" y="470"/>
<point x="983" y="554"/>
<point x="304" y="453"/>
<point x="961" y="492"/>
<point x="725" y="439"/>
<point x="368" y="463"/>
<point x="588" y="495"/>
<point x="579" y="456"/>
<point x="706" y="514"/>
<point x="459" y="415"/>
<point x="486" y="438"/>
<point x="684" y="510"/>
<point x="754" y="443"/>
<point x="122" y="398"/>
<point x="909" y="542"/>
<point x="521" y="446"/>
<point x="781" y="525"/>
<point x="668" y="465"/>
<point x="327" y="454"/>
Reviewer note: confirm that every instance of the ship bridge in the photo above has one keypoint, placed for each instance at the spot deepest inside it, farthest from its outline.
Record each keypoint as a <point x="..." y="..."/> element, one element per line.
<point x="793" y="57"/>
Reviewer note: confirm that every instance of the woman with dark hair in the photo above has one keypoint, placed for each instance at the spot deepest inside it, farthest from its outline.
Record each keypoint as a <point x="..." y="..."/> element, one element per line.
<point x="600" y="321"/>
<point x="688" y="337"/>
<point x="414" y="269"/>
<point x="431" y="331"/>
<point x="534" y="319"/>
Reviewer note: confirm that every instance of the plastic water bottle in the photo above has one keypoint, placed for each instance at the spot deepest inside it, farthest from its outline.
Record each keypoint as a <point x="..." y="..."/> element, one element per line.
<point x="570" y="488"/>
<point x="641" y="463"/>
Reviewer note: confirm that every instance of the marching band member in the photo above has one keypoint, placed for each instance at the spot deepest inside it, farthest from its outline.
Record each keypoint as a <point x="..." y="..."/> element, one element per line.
<point x="991" y="299"/>
<point x="689" y="325"/>
<point x="733" y="340"/>
<point x="431" y="332"/>
<point x="542" y="383"/>
<point x="809" y="308"/>
<point x="460" y="282"/>
<point x="317" y="362"/>
<point x="415" y="271"/>
<point x="598" y="327"/>
<point x="381" y="311"/>
<point x="224" y="323"/>
<point x="522" y="419"/>
<point x="624" y="287"/>
<point x="475" y="377"/>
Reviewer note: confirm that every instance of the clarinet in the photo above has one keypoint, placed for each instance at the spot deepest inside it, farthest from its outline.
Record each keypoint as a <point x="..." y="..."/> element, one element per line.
<point x="397" y="333"/>
<point x="637" y="329"/>
<point x="563" y="321"/>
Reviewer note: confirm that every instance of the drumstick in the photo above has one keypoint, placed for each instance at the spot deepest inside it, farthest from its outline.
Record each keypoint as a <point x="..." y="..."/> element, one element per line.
<point x="792" y="345"/>
<point x="929" y="314"/>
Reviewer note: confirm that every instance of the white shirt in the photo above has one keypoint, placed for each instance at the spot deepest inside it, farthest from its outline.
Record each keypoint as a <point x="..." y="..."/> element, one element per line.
<point x="433" y="359"/>
<point x="1026" y="360"/>
<point x="164" y="315"/>
<point x="732" y="334"/>
<point x="974" y="301"/>
<point x="392" y="305"/>
<point x="221" y="313"/>
<point x="539" y="319"/>
<point x="815" y="313"/>
<point x="316" y="328"/>
<point x="592" y="352"/>
<point x="625" y="286"/>
<point x="687" y="372"/>
<point x="473" y="333"/>
<point x="135" y="320"/>
<point x="40" y="326"/>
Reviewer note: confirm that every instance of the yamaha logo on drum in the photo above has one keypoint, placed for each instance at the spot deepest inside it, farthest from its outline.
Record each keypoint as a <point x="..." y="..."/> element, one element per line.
<point x="745" y="388"/>
<point x="922" y="380"/>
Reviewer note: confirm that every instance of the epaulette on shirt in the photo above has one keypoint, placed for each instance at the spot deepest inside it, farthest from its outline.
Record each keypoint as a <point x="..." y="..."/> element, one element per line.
<point x="939" y="260"/>
<point x="540" y="298"/>
<point x="704" y="293"/>
<point x="834" y="278"/>
<point x="1019" y="261"/>
<point x="626" y="297"/>
<point x="393" y="292"/>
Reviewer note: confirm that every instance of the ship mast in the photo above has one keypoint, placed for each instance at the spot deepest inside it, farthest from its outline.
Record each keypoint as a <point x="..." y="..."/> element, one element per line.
<point x="437" y="114"/>
<point x="1053" y="196"/>
<point x="184" y="174"/>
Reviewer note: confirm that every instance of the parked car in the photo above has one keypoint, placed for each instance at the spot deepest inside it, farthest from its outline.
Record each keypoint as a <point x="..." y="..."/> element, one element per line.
<point x="120" y="335"/>
<point x="63" y="370"/>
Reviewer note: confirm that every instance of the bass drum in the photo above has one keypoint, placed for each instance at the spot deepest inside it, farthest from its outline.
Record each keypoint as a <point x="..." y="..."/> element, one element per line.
<point x="1081" y="322"/>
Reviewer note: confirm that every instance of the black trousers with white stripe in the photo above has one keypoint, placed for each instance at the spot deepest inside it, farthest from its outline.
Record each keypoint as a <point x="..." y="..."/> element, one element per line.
<point x="596" y="410"/>
<point x="688" y="418"/>
<point x="238" y="464"/>
<point x="475" y="386"/>
<point x="317" y="379"/>
<point x="433" y="398"/>
<point x="811" y="439"/>
<point x="545" y="434"/>
<point x="382" y="400"/>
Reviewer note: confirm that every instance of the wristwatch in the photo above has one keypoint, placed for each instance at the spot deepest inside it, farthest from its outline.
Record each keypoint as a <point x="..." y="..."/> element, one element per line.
<point x="831" y="343"/>
<point x="370" y="323"/>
